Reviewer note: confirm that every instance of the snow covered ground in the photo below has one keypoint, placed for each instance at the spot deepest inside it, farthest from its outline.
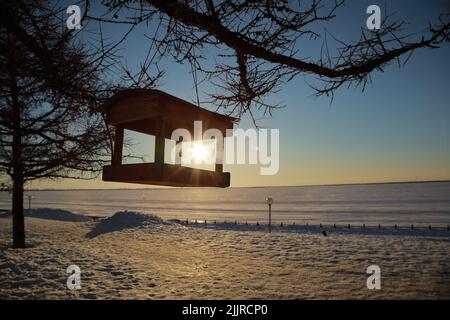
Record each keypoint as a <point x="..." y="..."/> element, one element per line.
<point x="136" y="256"/>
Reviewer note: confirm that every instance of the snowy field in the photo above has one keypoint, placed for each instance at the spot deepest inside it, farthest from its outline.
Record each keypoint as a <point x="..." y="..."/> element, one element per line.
<point x="403" y="204"/>
<point x="136" y="256"/>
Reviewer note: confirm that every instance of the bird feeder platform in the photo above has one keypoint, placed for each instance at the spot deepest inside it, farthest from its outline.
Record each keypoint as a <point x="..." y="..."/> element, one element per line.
<point x="157" y="113"/>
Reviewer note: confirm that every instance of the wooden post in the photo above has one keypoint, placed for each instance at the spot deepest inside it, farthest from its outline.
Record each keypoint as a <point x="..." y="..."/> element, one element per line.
<point x="118" y="147"/>
<point x="178" y="150"/>
<point x="219" y="153"/>
<point x="219" y="167"/>
<point x="160" y="141"/>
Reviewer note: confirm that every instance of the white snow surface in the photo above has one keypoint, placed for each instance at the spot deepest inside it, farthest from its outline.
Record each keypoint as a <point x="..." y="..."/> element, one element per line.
<point x="132" y="255"/>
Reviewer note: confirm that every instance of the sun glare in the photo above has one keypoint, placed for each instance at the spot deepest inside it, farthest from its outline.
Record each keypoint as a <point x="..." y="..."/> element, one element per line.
<point x="199" y="151"/>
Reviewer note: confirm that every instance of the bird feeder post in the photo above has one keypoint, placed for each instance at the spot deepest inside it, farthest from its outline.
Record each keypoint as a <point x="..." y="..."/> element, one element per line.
<point x="118" y="146"/>
<point x="160" y="141"/>
<point x="219" y="153"/>
<point x="178" y="151"/>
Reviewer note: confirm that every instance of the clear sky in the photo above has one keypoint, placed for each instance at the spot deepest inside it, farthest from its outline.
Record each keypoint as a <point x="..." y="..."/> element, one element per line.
<point x="398" y="129"/>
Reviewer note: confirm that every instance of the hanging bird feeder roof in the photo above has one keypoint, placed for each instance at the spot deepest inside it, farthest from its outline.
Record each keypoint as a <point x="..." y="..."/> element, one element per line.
<point x="158" y="113"/>
<point x="140" y="109"/>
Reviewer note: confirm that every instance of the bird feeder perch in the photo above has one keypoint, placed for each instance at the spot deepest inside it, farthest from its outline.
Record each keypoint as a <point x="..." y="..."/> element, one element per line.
<point x="157" y="113"/>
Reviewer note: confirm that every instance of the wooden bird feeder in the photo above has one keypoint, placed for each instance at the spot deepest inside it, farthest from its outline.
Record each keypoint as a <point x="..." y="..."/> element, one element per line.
<point x="157" y="113"/>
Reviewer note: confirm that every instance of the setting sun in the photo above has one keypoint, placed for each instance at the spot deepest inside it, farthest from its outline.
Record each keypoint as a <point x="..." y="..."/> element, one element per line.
<point x="199" y="151"/>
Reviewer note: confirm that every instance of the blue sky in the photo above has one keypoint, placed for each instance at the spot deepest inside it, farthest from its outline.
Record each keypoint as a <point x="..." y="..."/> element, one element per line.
<point x="397" y="129"/>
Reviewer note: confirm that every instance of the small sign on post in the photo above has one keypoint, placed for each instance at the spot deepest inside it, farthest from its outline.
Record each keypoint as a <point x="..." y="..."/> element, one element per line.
<point x="269" y="201"/>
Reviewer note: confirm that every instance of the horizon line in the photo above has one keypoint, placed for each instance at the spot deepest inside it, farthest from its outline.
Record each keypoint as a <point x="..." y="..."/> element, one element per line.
<point x="276" y="186"/>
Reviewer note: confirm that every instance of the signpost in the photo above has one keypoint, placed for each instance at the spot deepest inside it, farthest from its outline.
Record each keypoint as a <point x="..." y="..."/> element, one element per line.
<point x="269" y="201"/>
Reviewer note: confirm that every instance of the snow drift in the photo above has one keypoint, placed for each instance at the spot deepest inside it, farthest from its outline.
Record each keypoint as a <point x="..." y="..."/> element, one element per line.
<point x="124" y="220"/>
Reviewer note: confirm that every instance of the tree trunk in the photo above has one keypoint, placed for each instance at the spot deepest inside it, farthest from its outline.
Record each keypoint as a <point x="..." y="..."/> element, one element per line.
<point x="17" y="176"/>
<point x="17" y="214"/>
<point x="18" y="181"/>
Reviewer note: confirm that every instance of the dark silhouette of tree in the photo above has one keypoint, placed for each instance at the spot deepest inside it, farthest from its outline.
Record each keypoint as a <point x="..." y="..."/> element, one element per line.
<point x="257" y="44"/>
<point x="50" y="89"/>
